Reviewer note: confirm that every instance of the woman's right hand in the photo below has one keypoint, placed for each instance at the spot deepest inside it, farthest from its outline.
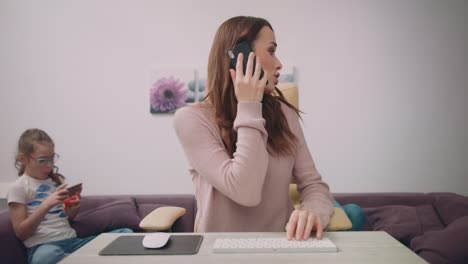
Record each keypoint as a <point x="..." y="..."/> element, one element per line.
<point x="57" y="197"/>
<point x="248" y="87"/>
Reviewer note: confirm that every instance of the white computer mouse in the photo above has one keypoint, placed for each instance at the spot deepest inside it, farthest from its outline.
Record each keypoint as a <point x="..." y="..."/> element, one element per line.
<point x="156" y="240"/>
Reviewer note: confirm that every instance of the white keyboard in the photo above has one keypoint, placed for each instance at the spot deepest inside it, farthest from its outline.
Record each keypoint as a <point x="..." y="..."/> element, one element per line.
<point x="262" y="245"/>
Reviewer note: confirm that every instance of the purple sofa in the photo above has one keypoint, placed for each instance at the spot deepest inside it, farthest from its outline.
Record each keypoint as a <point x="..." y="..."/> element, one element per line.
<point x="101" y="214"/>
<point x="433" y="225"/>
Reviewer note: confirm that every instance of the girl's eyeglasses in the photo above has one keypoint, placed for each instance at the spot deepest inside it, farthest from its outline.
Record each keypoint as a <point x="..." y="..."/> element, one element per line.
<point x="43" y="161"/>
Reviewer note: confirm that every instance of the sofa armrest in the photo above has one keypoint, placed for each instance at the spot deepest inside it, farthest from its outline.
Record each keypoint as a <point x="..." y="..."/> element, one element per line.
<point x="13" y="250"/>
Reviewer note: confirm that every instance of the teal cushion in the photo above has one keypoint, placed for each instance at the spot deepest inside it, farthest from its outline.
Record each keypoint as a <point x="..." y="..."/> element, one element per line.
<point x="354" y="213"/>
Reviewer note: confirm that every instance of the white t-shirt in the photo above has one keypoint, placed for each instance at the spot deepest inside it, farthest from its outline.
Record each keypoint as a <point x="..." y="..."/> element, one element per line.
<point x="32" y="192"/>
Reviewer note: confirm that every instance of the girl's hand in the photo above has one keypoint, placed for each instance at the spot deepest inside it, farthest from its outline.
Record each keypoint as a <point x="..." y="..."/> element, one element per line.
<point x="302" y="223"/>
<point x="72" y="205"/>
<point x="57" y="197"/>
<point x="248" y="87"/>
<point x="72" y="201"/>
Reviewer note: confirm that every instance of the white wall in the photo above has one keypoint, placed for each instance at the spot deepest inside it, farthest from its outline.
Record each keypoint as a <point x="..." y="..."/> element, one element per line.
<point x="383" y="85"/>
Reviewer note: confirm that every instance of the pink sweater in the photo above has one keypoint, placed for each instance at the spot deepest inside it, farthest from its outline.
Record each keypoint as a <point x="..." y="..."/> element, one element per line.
<point x="248" y="192"/>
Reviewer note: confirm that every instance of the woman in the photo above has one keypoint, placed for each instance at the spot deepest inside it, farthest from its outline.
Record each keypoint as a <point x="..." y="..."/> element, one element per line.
<point x="245" y="145"/>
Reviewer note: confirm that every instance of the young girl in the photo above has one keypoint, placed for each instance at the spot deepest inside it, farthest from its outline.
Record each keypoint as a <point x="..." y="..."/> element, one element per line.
<point x="245" y="145"/>
<point x="36" y="202"/>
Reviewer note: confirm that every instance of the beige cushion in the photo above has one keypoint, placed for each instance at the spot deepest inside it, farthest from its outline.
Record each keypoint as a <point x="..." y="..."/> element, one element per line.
<point x="339" y="219"/>
<point x="290" y="92"/>
<point x="294" y="195"/>
<point x="162" y="218"/>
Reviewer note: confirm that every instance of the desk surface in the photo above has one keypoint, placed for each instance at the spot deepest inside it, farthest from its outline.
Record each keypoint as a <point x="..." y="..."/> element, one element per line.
<point x="353" y="247"/>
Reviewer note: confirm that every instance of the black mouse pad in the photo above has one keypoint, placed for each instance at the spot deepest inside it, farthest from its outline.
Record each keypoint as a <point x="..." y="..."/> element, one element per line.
<point x="132" y="245"/>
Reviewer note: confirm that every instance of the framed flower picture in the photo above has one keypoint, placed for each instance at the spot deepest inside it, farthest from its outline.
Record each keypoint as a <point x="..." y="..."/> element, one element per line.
<point x="170" y="89"/>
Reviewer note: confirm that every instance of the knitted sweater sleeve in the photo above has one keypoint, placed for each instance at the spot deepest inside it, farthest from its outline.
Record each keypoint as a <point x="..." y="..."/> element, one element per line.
<point x="315" y="193"/>
<point x="239" y="177"/>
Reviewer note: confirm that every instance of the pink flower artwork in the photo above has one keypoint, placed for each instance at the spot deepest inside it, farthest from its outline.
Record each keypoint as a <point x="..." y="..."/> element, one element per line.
<point x="167" y="94"/>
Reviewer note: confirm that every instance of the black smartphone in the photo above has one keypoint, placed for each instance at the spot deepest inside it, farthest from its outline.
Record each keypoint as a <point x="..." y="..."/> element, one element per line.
<point x="244" y="48"/>
<point x="72" y="190"/>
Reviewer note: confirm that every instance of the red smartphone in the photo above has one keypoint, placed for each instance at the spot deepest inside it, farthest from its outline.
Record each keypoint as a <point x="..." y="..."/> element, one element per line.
<point x="244" y="48"/>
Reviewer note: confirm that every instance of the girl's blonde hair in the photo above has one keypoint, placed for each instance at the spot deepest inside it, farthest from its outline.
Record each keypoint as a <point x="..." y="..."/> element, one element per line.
<point x="26" y="145"/>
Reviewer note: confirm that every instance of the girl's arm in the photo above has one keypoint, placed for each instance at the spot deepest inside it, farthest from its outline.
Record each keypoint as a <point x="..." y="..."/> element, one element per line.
<point x="25" y="226"/>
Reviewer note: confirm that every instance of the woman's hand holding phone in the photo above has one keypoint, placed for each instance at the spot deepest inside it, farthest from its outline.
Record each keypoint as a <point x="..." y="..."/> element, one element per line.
<point x="248" y="86"/>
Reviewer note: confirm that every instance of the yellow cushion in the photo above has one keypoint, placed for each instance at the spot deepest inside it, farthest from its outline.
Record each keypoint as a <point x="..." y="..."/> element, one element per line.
<point x="294" y="195"/>
<point x="339" y="219"/>
<point x="162" y="218"/>
<point x="290" y="92"/>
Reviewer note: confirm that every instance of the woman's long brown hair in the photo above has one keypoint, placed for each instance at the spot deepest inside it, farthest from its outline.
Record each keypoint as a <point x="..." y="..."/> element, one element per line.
<point x="281" y="140"/>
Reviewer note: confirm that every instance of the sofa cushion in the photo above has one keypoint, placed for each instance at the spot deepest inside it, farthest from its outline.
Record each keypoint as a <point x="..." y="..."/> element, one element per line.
<point x="355" y="215"/>
<point x="146" y="209"/>
<point x="451" y="207"/>
<point x="162" y="218"/>
<point x="366" y="200"/>
<point x="339" y="220"/>
<point x="346" y="217"/>
<point x="147" y="203"/>
<point x="403" y="222"/>
<point x="444" y="246"/>
<point x="290" y="93"/>
<point x="109" y="216"/>
<point x="94" y="201"/>
<point x="12" y="250"/>
<point x="182" y="224"/>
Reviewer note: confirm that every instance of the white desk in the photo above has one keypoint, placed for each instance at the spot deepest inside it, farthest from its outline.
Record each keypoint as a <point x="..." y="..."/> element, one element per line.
<point x="353" y="247"/>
